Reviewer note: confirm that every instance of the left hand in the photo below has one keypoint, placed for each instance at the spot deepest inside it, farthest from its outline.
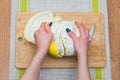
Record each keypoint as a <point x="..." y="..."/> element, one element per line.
<point x="43" y="37"/>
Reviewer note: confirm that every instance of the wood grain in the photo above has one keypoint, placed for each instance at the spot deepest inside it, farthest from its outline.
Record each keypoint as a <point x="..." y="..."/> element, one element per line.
<point x="4" y="38"/>
<point x="114" y="32"/>
<point x="25" y="51"/>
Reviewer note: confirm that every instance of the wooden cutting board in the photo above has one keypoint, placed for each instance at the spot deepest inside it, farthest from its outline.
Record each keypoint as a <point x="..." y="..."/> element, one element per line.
<point x="25" y="51"/>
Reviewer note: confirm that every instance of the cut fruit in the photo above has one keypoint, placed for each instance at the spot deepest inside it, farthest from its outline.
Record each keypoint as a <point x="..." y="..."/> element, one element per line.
<point x="53" y="50"/>
<point x="62" y="44"/>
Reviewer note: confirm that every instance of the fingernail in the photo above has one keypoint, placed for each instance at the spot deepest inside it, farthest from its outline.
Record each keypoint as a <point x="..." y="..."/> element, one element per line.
<point x="68" y="30"/>
<point x="50" y="24"/>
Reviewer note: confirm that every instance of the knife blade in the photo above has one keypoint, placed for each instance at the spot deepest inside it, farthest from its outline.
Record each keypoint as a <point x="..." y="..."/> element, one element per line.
<point x="91" y="32"/>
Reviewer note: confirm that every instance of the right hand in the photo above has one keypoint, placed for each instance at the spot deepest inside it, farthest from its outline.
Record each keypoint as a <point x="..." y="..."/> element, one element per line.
<point x="80" y="43"/>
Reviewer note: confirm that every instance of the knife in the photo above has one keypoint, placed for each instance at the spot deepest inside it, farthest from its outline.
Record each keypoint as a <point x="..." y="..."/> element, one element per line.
<point x="91" y="32"/>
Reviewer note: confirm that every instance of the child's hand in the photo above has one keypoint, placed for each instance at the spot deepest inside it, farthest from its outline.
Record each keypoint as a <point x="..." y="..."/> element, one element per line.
<point x="80" y="43"/>
<point x="43" y="37"/>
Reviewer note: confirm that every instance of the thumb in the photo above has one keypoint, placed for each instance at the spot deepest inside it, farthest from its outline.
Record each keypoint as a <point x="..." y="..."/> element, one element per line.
<point x="71" y="34"/>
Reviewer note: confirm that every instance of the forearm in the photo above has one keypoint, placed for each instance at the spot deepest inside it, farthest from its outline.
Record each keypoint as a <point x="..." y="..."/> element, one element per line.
<point x="83" y="69"/>
<point x="33" y="70"/>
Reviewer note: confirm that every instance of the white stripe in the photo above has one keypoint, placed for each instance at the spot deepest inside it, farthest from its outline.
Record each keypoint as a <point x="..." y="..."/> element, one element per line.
<point x="12" y="68"/>
<point x="99" y="5"/>
<point x="60" y="5"/>
<point x="19" y="5"/>
<point x="92" y="72"/>
<point x="103" y="74"/>
<point x="91" y="6"/>
<point x="104" y="11"/>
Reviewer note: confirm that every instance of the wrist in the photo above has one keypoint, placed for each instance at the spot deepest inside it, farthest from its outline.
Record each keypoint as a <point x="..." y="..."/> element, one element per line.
<point x="42" y="48"/>
<point x="83" y="59"/>
<point x="82" y="56"/>
<point x="41" y="52"/>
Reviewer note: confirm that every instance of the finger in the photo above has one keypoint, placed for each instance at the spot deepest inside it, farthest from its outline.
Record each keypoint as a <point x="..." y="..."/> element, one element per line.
<point x="42" y="25"/>
<point x="88" y="37"/>
<point x="71" y="34"/>
<point x="86" y="30"/>
<point x="82" y="31"/>
<point x="48" y="27"/>
<point x="35" y="33"/>
<point x="82" y="25"/>
<point x="87" y="33"/>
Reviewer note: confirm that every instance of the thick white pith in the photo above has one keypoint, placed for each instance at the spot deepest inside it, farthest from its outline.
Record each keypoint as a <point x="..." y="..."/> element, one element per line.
<point x="62" y="41"/>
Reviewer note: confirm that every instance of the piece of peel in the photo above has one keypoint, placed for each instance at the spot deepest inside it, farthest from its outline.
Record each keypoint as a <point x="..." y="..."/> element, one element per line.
<point x="53" y="50"/>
